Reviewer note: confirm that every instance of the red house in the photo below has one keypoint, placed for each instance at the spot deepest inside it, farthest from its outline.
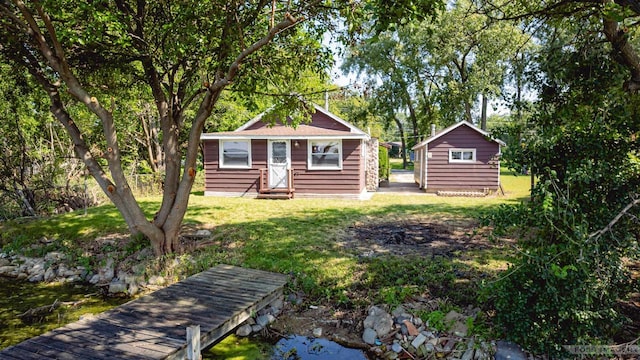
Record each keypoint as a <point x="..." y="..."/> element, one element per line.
<point x="327" y="157"/>
<point x="461" y="157"/>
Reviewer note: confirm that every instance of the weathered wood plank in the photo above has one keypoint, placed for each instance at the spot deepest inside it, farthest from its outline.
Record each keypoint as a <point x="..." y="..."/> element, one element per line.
<point x="154" y="326"/>
<point x="18" y="352"/>
<point x="243" y="274"/>
<point x="137" y="339"/>
<point x="57" y="350"/>
<point x="83" y="348"/>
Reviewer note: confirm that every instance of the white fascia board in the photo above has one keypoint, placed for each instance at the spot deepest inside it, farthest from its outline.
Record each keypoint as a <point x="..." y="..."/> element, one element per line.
<point x="214" y="136"/>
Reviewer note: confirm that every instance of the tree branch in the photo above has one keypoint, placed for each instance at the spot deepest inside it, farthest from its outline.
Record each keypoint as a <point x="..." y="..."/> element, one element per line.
<point x="615" y="220"/>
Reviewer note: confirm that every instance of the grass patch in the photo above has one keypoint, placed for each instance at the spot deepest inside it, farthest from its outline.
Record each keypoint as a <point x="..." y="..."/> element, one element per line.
<point x="396" y="164"/>
<point x="303" y="237"/>
<point x="234" y="348"/>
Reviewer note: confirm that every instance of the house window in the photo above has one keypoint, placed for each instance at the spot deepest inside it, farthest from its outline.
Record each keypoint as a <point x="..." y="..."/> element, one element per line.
<point x="235" y="154"/>
<point x="325" y="155"/>
<point x="462" y="155"/>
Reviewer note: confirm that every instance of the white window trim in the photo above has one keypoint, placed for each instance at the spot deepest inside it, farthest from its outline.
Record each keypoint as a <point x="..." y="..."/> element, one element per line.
<point x="472" y="151"/>
<point x="221" y="163"/>
<point x="310" y="165"/>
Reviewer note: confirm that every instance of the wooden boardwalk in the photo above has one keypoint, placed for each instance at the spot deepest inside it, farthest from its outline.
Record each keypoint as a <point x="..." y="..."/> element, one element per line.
<point x="154" y="326"/>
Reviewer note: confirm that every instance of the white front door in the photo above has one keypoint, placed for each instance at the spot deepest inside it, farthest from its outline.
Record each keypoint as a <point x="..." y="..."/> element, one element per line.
<point x="279" y="162"/>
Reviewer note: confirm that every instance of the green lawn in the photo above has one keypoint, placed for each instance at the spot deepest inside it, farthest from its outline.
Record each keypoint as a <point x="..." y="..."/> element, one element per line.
<point x="396" y="164"/>
<point x="303" y="237"/>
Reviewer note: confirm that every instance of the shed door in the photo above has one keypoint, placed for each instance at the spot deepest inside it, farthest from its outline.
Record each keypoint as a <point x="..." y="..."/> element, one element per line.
<point x="279" y="159"/>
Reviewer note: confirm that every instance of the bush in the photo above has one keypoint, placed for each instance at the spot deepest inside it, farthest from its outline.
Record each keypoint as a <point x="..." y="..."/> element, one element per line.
<point x="563" y="287"/>
<point x="384" y="168"/>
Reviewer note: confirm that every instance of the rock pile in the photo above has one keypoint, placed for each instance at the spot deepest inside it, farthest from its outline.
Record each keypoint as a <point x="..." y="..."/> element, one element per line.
<point x="392" y="336"/>
<point x="262" y="319"/>
<point x="49" y="268"/>
<point x="54" y="267"/>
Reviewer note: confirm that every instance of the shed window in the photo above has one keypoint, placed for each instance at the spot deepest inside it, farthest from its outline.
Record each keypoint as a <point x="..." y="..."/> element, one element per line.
<point x="235" y="154"/>
<point x="462" y="155"/>
<point x="325" y="155"/>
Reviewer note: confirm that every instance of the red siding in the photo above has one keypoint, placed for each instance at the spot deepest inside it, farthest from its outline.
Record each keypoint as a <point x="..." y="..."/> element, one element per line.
<point x="483" y="174"/>
<point x="233" y="180"/>
<point x="349" y="180"/>
<point x="319" y="120"/>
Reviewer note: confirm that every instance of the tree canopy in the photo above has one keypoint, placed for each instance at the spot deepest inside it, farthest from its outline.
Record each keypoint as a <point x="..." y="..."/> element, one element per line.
<point x="180" y="57"/>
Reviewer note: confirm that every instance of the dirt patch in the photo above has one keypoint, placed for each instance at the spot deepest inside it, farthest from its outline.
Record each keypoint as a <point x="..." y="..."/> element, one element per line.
<point x="422" y="236"/>
<point x="344" y="327"/>
<point x="416" y="235"/>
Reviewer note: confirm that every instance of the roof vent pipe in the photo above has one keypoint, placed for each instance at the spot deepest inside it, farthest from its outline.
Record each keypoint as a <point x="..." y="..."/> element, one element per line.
<point x="433" y="130"/>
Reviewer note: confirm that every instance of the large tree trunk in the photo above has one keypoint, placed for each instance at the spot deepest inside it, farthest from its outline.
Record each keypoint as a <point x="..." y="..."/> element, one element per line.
<point x="403" y="140"/>
<point x="483" y="116"/>
<point x="627" y="55"/>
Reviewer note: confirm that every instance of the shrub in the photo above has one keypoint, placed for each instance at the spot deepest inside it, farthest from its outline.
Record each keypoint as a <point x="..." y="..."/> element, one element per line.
<point x="563" y="287"/>
<point x="384" y="169"/>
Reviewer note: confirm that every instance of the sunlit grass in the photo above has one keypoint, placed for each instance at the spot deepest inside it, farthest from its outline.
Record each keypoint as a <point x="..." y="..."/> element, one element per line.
<point x="396" y="164"/>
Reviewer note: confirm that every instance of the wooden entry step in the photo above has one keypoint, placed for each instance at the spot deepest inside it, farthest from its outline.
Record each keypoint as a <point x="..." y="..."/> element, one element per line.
<point x="276" y="196"/>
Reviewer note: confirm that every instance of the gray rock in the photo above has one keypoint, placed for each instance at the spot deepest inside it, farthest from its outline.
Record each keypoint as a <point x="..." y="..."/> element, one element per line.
<point x="36" y="268"/>
<point x="107" y="272"/>
<point x="54" y="256"/>
<point x="133" y="289"/>
<point x="203" y="233"/>
<point x="398" y="311"/>
<point x="369" y="336"/>
<point x="93" y="278"/>
<point x="277" y="305"/>
<point x="7" y="270"/>
<point x="317" y="332"/>
<point x="244" y="330"/>
<point x="37" y="278"/>
<point x="429" y="334"/>
<point x="468" y="355"/>
<point x="156" y="280"/>
<point x="256" y="328"/>
<point x="396" y="347"/>
<point x="74" y="278"/>
<point x="62" y="270"/>
<point x="460" y="329"/>
<point x="74" y="272"/>
<point x="379" y="320"/>
<point x="507" y="350"/>
<point x="419" y="340"/>
<point x="117" y="287"/>
<point x="4" y="262"/>
<point x="50" y="274"/>
<point x="456" y="323"/>
<point x="417" y="321"/>
<point x="264" y="320"/>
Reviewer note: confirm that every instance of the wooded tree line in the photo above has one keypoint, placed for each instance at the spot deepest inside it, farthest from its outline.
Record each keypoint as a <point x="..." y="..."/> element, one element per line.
<point x="107" y="88"/>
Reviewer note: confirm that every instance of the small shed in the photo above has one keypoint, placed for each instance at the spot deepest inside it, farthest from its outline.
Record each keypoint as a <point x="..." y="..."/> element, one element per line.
<point x="327" y="157"/>
<point x="461" y="157"/>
